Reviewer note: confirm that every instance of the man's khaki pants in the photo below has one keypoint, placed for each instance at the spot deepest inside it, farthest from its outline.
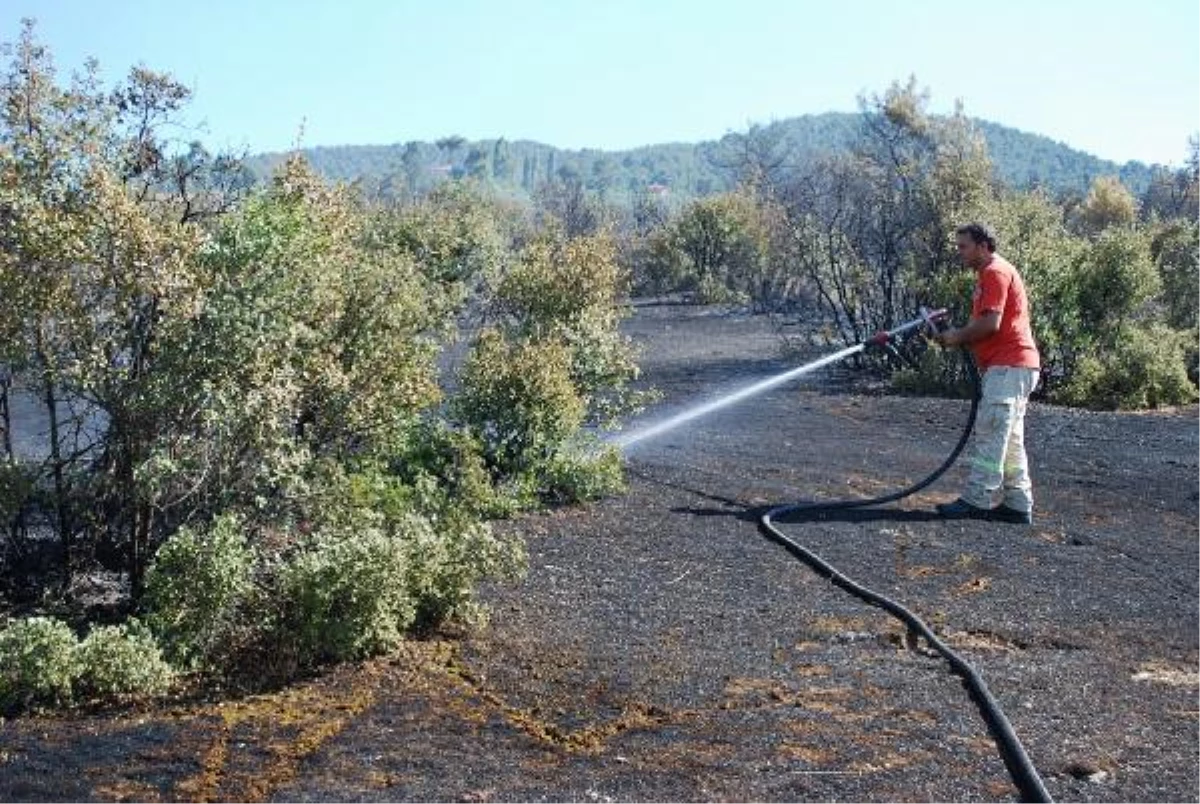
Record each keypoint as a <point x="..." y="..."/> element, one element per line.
<point x="998" y="468"/>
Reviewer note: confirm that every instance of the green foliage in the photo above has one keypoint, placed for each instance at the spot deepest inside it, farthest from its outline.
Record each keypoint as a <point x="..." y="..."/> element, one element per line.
<point x="1191" y="355"/>
<point x="16" y="489"/>
<point x="571" y="290"/>
<point x="316" y="342"/>
<point x="1144" y="368"/>
<point x="447" y="560"/>
<point x="119" y="660"/>
<point x="1176" y="250"/>
<point x="38" y="663"/>
<point x="519" y="400"/>
<point x="1109" y="204"/>
<point x="194" y="587"/>
<point x="1113" y="279"/>
<point x="347" y="596"/>
<point x="430" y="499"/>
<point x="555" y="360"/>
<point x="436" y="471"/>
<point x="1033" y="237"/>
<point x="581" y="473"/>
<point x="249" y="385"/>
<point x="937" y="372"/>
<point x="455" y="234"/>
<point x="557" y="281"/>
<point x="719" y="245"/>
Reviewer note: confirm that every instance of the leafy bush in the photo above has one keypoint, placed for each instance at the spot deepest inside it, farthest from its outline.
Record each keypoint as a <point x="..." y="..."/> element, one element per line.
<point x="38" y="663"/>
<point x="1146" y="368"/>
<point x="1113" y="278"/>
<point x="346" y="596"/>
<point x="194" y="586"/>
<point x="518" y="399"/>
<point x="713" y="290"/>
<point x="447" y="562"/>
<point x="556" y="281"/>
<point x="719" y="245"/>
<point x="447" y="547"/>
<point x="436" y="468"/>
<point x="570" y="291"/>
<point x="1191" y="354"/>
<point x="454" y="233"/>
<point x="1176" y="250"/>
<point x="574" y="475"/>
<point x="16" y="487"/>
<point x="121" y="660"/>
<point x="555" y="361"/>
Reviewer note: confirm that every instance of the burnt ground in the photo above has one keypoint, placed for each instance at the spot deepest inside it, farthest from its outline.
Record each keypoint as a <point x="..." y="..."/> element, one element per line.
<point x="660" y="648"/>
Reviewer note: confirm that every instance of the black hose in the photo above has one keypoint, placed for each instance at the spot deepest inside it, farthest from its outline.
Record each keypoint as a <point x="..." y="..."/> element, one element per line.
<point x="1020" y="767"/>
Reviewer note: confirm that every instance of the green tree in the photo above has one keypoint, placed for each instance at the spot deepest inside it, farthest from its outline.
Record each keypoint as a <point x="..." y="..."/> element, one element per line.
<point x="716" y="246"/>
<point x="1108" y="204"/>
<point x="553" y="360"/>
<point x="1115" y="278"/>
<point x="98" y="268"/>
<point x="1176" y="253"/>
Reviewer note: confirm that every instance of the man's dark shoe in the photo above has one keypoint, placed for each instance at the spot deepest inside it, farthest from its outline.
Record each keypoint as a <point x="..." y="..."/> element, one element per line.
<point x="961" y="509"/>
<point x="1005" y="514"/>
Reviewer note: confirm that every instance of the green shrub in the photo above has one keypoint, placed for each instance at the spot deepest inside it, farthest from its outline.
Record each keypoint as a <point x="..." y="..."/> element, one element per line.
<point x="193" y="588"/>
<point x="1112" y="279"/>
<point x="38" y="663"/>
<point x="346" y="596"/>
<point x="569" y="291"/>
<point x="1176" y="249"/>
<point x="121" y="660"/>
<point x="580" y="475"/>
<point x="446" y="564"/>
<point x="435" y="469"/>
<point x="1145" y="369"/>
<point x="519" y="400"/>
<point x="722" y="243"/>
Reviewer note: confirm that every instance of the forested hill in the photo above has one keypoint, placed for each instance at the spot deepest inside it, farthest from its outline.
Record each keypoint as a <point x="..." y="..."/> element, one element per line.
<point x="680" y="170"/>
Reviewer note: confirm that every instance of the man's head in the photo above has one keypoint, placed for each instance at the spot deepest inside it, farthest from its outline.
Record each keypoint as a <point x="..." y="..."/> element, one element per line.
<point x="976" y="244"/>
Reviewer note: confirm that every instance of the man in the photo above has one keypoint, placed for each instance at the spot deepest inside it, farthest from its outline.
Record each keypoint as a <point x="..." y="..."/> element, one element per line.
<point x="1000" y="337"/>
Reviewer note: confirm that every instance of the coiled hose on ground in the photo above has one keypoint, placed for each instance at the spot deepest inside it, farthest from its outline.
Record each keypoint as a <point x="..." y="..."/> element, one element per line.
<point x="1020" y="767"/>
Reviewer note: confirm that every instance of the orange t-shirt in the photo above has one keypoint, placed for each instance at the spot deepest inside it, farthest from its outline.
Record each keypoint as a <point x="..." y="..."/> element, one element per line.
<point x="1000" y="289"/>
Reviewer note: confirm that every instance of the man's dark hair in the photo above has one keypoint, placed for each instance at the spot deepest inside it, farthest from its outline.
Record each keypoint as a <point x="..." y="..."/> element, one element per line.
<point x="978" y="232"/>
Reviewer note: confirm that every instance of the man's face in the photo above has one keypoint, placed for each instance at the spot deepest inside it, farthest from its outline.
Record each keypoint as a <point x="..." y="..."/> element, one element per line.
<point x="971" y="253"/>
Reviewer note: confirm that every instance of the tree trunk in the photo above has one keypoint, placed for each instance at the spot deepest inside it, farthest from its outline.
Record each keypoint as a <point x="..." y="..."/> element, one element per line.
<point x="5" y="416"/>
<point x="56" y="467"/>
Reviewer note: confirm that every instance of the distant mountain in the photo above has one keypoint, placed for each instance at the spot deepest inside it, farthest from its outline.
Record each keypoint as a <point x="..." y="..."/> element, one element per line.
<point x="679" y="171"/>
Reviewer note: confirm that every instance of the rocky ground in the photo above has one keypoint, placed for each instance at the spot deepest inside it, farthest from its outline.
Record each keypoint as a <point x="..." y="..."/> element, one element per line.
<point x="661" y="649"/>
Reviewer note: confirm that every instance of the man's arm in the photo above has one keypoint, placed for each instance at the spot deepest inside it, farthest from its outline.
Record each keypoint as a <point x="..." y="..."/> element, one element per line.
<point x="979" y="328"/>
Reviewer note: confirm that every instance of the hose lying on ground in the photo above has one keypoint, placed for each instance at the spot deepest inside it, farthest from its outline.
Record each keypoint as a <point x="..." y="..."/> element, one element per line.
<point x="1020" y="767"/>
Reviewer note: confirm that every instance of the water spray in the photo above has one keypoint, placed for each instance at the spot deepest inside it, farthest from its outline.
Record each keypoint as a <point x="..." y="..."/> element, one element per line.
<point x="930" y="319"/>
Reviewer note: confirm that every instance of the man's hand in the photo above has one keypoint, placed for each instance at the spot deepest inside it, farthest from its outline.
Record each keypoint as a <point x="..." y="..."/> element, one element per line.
<point x="948" y="337"/>
<point x="982" y="327"/>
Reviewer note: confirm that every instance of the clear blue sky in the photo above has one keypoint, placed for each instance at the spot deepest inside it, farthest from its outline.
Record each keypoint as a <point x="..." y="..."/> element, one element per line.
<point x="1115" y="78"/>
